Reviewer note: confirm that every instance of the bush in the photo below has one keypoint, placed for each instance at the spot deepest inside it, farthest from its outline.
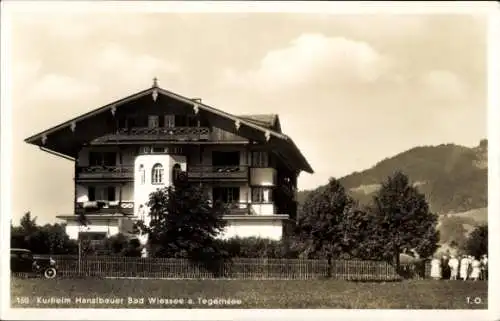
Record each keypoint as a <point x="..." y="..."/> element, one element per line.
<point x="254" y="247"/>
<point x="120" y="244"/>
<point x="46" y="239"/>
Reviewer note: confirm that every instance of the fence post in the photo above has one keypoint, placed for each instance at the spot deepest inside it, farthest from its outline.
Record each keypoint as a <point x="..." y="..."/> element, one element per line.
<point x="79" y="256"/>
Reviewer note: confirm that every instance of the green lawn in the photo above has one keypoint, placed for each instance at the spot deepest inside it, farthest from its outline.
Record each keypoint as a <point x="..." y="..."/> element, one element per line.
<point x="426" y="294"/>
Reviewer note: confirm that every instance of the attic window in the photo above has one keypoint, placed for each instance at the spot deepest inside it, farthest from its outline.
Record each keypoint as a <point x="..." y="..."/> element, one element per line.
<point x="153" y="121"/>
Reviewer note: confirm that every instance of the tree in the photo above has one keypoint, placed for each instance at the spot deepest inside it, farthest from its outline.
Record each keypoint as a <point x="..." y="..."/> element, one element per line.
<point x="184" y="223"/>
<point x="477" y="242"/>
<point x="402" y="220"/>
<point x="47" y="239"/>
<point x="326" y="224"/>
<point x="28" y="224"/>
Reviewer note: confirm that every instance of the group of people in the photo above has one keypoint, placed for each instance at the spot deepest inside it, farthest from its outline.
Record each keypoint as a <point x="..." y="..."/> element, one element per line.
<point x="464" y="267"/>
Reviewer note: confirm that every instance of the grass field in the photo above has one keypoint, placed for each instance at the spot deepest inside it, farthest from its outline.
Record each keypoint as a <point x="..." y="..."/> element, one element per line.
<point x="425" y="294"/>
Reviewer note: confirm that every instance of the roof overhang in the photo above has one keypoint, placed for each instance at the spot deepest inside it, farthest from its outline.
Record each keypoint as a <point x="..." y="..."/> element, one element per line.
<point x="62" y="141"/>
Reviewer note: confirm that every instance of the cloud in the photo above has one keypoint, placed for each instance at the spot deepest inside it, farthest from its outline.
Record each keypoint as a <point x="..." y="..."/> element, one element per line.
<point x="57" y="87"/>
<point x="314" y="59"/>
<point x="443" y="84"/>
<point x="133" y="69"/>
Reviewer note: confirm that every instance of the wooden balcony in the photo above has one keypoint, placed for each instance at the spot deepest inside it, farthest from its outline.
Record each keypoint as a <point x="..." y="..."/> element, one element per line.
<point x="238" y="208"/>
<point x="105" y="172"/>
<point x="237" y="172"/>
<point x="245" y="208"/>
<point x="157" y="134"/>
<point x="104" y="207"/>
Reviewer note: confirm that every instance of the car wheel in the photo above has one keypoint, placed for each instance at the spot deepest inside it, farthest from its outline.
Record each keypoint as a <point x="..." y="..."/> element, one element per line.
<point x="50" y="273"/>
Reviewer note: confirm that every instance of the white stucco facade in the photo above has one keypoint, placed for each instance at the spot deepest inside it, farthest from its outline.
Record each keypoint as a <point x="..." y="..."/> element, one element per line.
<point x="143" y="178"/>
<point x="270" y="228"/>
<point x="262" y="220"/>
<point x="109" y="227"/>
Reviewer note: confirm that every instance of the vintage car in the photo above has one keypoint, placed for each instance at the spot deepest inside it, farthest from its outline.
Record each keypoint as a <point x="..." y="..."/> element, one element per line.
<point x="23" y="261"/>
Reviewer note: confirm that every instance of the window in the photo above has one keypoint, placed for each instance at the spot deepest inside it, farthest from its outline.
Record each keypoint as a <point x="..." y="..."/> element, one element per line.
<point x="145" y="150"/>
<point x="26" y="256"/>
<point x="111" y="194"/>
<point x="157" y="174"/>
<point x="175" y="151"/>
<point x="225" y="158"/>
<point x="262" y="195"/>
<point x="102" y="193"/>
<point x="192" y="121"/>
<point x="142" y="175"/>
<point x="176" y="171"/>
<point x="102" y="159"/>
<point x="260" y="159"/>
<point x="180" y="120"/>
<point x="226" y="194"/>
<point x="169" y="121"/>
<point x="91" y="192"/>
<point x="153" y="121"/>
<point x="161" y="150"/>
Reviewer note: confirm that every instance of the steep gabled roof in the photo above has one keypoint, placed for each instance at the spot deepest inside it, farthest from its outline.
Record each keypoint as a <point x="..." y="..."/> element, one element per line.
<point x="267" y="125"/>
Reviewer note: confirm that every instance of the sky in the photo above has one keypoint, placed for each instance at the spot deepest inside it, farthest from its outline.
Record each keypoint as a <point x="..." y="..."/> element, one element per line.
<point x="350" y="90"/>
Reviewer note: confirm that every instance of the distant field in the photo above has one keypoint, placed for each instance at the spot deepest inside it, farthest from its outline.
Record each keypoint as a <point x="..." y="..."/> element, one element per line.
<point x="427" y="294"/>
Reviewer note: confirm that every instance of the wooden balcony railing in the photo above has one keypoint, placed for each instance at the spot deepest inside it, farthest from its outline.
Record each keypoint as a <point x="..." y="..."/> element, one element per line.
<point x="105" y="207"/>
<point x="245" y="208"/>
<point x="217" y="172"/>
<point x="159" y="133"/>
<point x="238" y="208"/>
<point x="96" y="172"/>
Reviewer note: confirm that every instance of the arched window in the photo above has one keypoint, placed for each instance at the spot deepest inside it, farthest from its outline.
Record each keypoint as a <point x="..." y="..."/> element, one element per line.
<point x="157" y="174"/>
<point x="176" y="171"/>
<point x="142" y="175"/>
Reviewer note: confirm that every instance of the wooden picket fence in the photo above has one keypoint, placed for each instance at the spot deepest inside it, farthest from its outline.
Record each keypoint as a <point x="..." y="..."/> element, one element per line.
<point x="237" y="268"/>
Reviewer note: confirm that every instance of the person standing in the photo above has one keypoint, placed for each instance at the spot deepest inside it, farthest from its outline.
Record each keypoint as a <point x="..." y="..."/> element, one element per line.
<point x="476" y="269"/>
<point x="445" y="267"/>
<point x="469" y="271"/>
<point x="484" y="267"/>
<point x="464" y="267"/>
<point x="436" y="268"/>
<point x="453" y="264"/>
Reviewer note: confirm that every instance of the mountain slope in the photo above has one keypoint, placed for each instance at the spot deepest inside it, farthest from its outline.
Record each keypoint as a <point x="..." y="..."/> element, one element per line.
<point x="453" y="178"/>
